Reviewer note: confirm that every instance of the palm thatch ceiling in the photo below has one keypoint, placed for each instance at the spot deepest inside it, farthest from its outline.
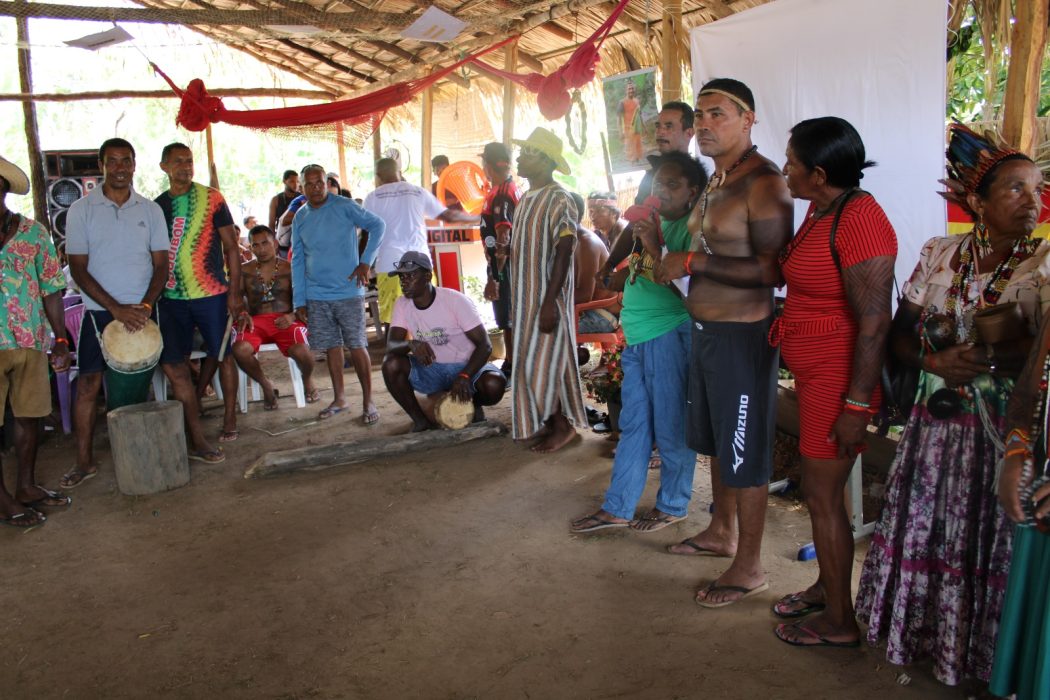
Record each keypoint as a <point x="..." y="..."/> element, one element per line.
<point x="356" y="46"/>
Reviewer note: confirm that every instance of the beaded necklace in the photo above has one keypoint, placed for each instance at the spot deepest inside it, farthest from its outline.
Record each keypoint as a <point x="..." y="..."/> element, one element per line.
<point x="965" y="277"/>
<point x="716" y="181"/>
<point x="1040" y="430"/>
<point x="267" y="287"/>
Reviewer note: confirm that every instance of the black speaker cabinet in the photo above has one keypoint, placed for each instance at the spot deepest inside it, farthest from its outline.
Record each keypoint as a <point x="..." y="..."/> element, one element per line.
<point x="69" y="175"/>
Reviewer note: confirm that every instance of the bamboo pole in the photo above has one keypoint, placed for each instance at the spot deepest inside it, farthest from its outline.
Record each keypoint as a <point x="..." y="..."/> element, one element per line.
<point x="377" y="143"/>
<point x="608" y="164"/>
<point x="340" y="148"/>
<point x="160" y="94"/>
<point x="427" y="137"/>
<point x="213" y="172"/>
<point x="510" y="64"/>
<point x="669" y="44"/>
<point x="36" y="158"/>
<point x="1021" y="101"/>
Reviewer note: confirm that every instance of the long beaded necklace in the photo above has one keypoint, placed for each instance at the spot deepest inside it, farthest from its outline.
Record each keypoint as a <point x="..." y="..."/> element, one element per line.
<point x="267" y="287"/>
<point x="1040" y="430"/>
<point x="811" y="222"/>
<point x="965" y="277"/>
<point x="716" y="181"/>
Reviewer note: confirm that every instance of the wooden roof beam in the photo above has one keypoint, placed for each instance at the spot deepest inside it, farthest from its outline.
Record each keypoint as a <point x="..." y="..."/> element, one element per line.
<point x="718" y="8"/>
<point x="320" y="57"/>
<point x="246" y="18"/>
<point x="626" y="20"/>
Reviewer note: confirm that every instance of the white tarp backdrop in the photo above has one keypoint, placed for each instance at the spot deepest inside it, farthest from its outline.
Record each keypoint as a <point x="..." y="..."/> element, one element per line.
<point x="879" y="65"/>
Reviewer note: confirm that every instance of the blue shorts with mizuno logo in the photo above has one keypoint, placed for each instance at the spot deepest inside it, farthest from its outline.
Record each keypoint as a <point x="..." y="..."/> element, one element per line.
<point x="733" y="399"/>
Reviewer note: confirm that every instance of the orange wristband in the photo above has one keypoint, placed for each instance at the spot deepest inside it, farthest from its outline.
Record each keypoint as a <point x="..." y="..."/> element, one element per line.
<point x="149" y="308"/>
<point x="1019" y="451"/>
<point x="689" y="264"/>
<point x="61" y="340"/>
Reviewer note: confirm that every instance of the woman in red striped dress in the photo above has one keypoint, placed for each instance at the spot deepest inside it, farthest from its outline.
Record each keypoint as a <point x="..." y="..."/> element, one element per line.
<point x="832" y="336"/>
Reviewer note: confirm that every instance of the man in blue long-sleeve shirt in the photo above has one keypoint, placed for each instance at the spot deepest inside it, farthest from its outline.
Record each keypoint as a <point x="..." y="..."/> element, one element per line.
<point x="329" y="279"/>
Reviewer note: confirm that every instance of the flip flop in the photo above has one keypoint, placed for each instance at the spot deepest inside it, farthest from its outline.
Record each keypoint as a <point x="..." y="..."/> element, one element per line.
<point x="699" y="550"/>
<point x="313" y="396"/>
<point x="821" y="641"/>
<point x="659" y="522"/>
<point x="75" y="477"/>
<point x="598" y="524"/>
<point x="51" y="499"/>
<point x="370" y="418"/>
<point x="747" y="593"/>
<point x="798" y="612"/>
<point x="229" y="435"/>
<point x="327" y="413"/>
<point x="25" y="520"/>
<point x="271" y="406"/>
<point x="655" y="461"/>
<point x="210" y="457"/>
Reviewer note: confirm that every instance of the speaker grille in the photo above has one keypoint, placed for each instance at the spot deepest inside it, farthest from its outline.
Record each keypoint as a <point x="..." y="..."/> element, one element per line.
<point x="64" y="192"/>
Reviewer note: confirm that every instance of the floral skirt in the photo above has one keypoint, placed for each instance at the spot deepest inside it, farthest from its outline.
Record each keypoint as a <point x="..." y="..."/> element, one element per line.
<point x="934" y="578"/>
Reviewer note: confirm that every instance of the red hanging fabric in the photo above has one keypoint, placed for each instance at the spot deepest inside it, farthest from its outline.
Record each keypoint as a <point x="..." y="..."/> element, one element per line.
<point x="552" y="91"/>
<point x="199" y="109"/>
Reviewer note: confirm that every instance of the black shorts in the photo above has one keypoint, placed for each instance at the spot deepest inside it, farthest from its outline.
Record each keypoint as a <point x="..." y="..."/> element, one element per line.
<point x="178" y="318"/>
<point x="732" y="399"/>
<point x="501" y="307"/>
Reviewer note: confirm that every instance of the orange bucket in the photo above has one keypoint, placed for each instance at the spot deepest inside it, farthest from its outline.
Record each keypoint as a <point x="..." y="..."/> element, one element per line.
<point x="467" y="181"/>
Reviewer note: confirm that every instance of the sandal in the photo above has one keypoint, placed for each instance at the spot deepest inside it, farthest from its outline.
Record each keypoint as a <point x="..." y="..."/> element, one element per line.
<point x="783" y="607"/>
<point x="51" y="499"/>
<point x="75" y="477"/>
<point x="313" y="396"/>
<point x="24" y="520"/>
<point x="271" y="406"/>
<point x="229" y="435"/>
<point x="209" y="456"/>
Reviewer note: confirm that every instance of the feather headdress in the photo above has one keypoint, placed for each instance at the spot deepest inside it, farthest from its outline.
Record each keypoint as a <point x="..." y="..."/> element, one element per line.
<point x="971" y="156"/>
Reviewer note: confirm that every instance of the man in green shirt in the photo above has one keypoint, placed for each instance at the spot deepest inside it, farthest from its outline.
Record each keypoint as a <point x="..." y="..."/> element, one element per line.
<point x="655" y="362"/>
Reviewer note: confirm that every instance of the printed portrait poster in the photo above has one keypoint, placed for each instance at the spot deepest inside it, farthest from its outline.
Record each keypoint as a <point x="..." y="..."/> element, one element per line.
<point x="630" y="117"/>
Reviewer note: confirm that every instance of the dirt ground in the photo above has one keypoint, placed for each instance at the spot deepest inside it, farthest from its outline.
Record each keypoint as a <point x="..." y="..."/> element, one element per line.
<point x="449" y="574"/>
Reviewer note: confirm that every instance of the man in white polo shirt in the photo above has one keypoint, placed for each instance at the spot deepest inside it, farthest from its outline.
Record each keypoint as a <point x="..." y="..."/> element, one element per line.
<point x="405" y="208"/>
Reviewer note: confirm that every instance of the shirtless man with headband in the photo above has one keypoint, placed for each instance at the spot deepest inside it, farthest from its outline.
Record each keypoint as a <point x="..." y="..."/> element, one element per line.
<point x="742" y="221"/>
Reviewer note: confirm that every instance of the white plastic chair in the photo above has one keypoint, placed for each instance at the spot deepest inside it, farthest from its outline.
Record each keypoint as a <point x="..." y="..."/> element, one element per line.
<point x="256" y="389"/>
<point x="160" y="380"/>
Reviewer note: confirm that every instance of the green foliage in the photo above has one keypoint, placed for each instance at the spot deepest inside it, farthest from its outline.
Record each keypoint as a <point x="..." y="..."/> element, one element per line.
<point x="966" y="93"/>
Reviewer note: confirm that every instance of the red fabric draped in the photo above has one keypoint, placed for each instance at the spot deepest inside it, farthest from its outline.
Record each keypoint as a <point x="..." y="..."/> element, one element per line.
<point x="552" y="91"/>
<point x="199" y="109"/>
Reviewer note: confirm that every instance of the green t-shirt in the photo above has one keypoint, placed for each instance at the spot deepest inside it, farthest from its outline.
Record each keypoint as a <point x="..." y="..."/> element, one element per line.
<point x="651" y="309"/>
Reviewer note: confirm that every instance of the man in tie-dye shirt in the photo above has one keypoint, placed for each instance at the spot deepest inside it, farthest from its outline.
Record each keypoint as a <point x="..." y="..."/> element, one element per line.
<point x="204" y="275"/>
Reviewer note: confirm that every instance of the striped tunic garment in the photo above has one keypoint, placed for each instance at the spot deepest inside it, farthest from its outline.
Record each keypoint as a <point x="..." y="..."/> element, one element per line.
<point x="546" y="377"/>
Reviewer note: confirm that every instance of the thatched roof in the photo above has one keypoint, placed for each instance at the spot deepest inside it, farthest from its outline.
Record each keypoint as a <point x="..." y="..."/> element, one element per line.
<point x="359" y="46"/>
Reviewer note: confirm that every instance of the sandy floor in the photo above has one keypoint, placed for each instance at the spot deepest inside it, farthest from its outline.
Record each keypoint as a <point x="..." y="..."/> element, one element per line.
<point x="448" y="575"/>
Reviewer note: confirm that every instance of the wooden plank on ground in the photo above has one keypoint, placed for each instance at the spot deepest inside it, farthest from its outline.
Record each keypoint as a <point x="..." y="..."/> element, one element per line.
<point x="318" y="457"/>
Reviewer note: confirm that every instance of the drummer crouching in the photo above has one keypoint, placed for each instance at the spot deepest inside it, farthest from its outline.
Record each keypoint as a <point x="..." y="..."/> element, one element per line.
<point x="448" y="350"/>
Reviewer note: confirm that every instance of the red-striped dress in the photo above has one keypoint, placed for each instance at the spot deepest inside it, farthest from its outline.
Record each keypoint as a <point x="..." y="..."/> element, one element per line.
<point x="817" y="332"/>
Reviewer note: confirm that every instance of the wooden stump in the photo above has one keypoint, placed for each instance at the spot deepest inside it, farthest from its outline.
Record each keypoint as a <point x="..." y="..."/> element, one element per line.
<point x="149" y="447"/>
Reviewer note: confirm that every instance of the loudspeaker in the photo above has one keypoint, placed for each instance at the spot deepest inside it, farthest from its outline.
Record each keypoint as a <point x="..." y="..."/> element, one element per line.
<point x="69" y="176"/>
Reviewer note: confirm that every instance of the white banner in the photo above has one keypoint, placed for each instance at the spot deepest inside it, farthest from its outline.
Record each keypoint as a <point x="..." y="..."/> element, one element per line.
<point x="879" y="65"/>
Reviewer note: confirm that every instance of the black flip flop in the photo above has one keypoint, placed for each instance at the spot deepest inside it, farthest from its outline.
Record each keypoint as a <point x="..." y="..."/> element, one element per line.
<point x="58" y="500"/>
<point x="821" y="641"/>
<point x="801" y="612"/>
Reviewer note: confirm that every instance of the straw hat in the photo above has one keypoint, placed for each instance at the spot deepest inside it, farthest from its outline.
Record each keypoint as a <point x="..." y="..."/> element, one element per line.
<point x="16" y="178"/>
<point x="549" y="144"/>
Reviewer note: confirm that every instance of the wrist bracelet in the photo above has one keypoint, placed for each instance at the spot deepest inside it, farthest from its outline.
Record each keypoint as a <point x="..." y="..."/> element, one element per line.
<point x="1023" y="451"/>
<point x="689" y="264"/>
<point x="149" y="308"/>
<point x="858" y="404"/>
<point x="850" y="408"/>
<point x="464" y="375"/>
<point x="61" y="340"/>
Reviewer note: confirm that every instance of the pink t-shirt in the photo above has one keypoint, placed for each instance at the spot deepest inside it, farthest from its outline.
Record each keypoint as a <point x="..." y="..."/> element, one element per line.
<point x="443" y="324"/>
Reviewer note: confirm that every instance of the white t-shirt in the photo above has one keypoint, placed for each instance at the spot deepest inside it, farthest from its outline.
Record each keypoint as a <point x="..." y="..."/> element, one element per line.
<point x="404" y="207"/>
<point x="443" y="324"/>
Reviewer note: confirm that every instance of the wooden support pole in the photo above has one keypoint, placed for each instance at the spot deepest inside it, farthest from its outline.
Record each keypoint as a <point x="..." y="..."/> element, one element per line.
<point x="160" y="94"/>
<point x="213" y="172"/>
<point x="340" y="149"/>
<point x="670" y="41"/>
<point x="427" y="138"/>
<point x="36" y="158"/>
<point x="1027" y="51"/>
<point x="510" y="64"/>
<point x="608" y="165"/>
<point x="318" y="457"/>
<point x="377" y="143"/>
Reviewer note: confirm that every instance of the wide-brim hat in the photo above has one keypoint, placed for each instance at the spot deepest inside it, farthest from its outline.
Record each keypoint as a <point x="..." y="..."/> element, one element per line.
<point x="15" y="177"/>
<point x="549" y="145"/>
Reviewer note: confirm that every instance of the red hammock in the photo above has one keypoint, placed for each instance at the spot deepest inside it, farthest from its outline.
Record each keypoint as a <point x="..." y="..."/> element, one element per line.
<point x="199" y="109"/>
<point x="552" y="91"/>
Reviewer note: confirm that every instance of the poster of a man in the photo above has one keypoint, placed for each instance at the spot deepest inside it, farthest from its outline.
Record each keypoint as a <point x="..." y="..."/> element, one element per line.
<point x="630" y="113"/>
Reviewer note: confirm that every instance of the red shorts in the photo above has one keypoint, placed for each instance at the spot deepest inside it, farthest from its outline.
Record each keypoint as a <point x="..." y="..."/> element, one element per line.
<point x="266" y="331"/>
